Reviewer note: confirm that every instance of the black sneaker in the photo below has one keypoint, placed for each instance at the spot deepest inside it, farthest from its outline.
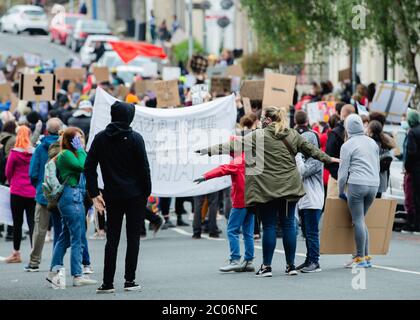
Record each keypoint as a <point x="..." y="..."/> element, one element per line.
<point x="303" y="265"/>
<point x="264" y="272"/>
<point x="311" y="268"/>
<point x="132" y="286"/>
<point x="196" y="236"/>
<point x="168" y="224"/>
<point x="105" y="289"/>
<point x="214" y="235"/>
<point x="30" y="268"/>
<point x="156" y="227"/>
<point x="182" y="223"/>
<point x="291" y="270"/>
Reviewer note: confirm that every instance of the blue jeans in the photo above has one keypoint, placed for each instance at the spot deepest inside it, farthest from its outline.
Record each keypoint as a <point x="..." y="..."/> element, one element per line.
<point x="58" y="227"/>
<point x="240" y="217"/>
<point x="72" y="215"/>
<point x="311" y="219"/>
<point x="268" y="214"/>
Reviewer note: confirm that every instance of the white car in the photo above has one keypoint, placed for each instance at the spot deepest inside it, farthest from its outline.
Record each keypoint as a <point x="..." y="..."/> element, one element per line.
<point x="24" y="18"/>
<point x="86" y="52"/>
<point x="148" y="67"/>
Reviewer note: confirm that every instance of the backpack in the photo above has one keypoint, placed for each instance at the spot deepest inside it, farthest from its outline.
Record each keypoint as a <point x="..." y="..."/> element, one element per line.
<point x="51" y="187"/>
<point x="385" y="160"/>
<point x="3" y="160"/>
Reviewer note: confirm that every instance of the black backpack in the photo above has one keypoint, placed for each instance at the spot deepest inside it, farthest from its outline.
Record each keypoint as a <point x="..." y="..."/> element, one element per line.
<point x="3" y="160"/>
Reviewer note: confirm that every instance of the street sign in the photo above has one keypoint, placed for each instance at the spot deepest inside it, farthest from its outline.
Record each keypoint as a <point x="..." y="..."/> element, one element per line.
<point x="37" y="87"/>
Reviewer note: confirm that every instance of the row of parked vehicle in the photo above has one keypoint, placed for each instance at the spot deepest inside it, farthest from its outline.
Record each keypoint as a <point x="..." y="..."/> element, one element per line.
<point x="67" y="29"/>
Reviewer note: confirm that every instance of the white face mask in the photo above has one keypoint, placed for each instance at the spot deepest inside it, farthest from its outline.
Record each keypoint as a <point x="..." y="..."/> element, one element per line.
<point x="404" y="125"/>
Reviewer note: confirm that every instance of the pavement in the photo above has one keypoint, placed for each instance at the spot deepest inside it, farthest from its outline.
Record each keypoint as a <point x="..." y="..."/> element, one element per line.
<point x="174" y="266"/>
<point x="17" y="45"/>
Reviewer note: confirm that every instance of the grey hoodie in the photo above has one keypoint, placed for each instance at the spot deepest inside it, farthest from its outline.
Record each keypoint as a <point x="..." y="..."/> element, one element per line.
<point x="311" y="171"/>
<point x="359" y="157"/>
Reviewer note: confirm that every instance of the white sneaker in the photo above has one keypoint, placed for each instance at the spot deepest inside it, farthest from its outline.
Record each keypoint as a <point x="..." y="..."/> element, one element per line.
<point x="87" y="270"/>
<point x="416" y="233"/>
<point x="54" y="279"/>
<point x="83" y="281"/>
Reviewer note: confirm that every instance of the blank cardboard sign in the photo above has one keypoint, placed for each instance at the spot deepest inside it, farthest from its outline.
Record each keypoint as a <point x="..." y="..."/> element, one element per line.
<point x="278" y="90"/>
<point x="101" y="74"/>
<point x="5" y="91"/>
<point x="142" y="86"/>
<point x="337" y="234"/>
<point x="235" y="71"/>
<point x="37" y="87"/>
<point x="73" y="74"/>
<point x="253" y="89"/>
<point x="167" y="94"/>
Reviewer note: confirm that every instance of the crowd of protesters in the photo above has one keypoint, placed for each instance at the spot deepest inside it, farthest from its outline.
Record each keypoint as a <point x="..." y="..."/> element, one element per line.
<point x="348" y="157"/>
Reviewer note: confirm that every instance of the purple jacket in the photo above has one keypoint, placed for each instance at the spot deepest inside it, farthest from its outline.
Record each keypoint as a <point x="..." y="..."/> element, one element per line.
<point x="17" y="173"/>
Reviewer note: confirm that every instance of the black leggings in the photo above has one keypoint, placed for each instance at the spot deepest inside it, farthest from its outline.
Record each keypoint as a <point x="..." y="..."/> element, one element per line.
<point x="19" y="205"/>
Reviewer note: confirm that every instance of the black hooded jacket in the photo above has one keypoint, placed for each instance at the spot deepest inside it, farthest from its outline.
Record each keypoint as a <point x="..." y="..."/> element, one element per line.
<point x="122" y="157"/>
<point x="334" y="143"/>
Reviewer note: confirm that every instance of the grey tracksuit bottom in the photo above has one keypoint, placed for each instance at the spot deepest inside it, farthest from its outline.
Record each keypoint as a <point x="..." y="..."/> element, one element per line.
<point x="359" y="199"/>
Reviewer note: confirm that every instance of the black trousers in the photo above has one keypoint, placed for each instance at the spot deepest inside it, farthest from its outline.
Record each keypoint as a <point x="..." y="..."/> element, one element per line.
<point x="164" y="205"/>
<point x="20" y="205"/>
<point x="213" y="199"/>
<point x="134" y="210"/>
<point x="151" y="217"/>
<point x="179" y="205"/>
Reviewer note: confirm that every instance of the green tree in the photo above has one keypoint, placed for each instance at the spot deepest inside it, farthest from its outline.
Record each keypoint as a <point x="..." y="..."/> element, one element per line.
<point x="315" y="24"/>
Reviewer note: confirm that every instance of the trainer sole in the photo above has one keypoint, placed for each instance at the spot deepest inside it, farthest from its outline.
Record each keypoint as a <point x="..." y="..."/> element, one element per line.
<point x="105" y="291"/>
<point x="313" y="271"/>
<point x="264" y="275"/>
<point x="133" y="289"/>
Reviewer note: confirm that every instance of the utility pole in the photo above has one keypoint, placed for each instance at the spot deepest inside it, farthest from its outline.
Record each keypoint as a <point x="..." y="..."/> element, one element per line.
<point x="204" y="31"/>
<point x="190" y="40"/>
<point x="353" y="68"/>
<point x="94" y="9"/>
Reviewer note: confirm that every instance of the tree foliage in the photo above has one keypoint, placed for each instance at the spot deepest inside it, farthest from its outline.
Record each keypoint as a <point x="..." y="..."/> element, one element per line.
<point x="298" y="25"/>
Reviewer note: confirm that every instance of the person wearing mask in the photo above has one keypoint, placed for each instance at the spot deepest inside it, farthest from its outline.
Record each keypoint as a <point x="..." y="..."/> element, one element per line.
<point x="122" y="156"/>
<point x="81" y="118"/>
<point x="275" y="185"/>
<point x="385" y="144"/>
<point x="22" y="193"/>
<point x="412" y="167"/>
<point x="359" y="173"/>
<point x="70" y="164"/>
<point x="335" y="141"/>
<point x="36" y="173"/>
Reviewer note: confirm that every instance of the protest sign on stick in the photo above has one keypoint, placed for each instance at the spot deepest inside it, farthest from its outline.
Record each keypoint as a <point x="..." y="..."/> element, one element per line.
<point x="101" y="74"/>
<point x="37" y="87"/>
<point x="278" y="90"/>
<point x="253" y="89"/>
<point x="72" y="74"/>
<point x="167" y="94"/>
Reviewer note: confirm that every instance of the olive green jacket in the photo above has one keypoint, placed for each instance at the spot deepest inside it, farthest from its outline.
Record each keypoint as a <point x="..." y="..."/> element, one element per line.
<point x="271" y="171"/>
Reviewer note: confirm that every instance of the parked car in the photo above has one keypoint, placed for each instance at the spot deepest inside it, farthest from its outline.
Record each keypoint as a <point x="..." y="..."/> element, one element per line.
<point x="83" y="29"/>
<point x="148" y="67"/>
<point x="62" y="25"/>
<point x="24" y="18"/>
<point x="87" y="55"/>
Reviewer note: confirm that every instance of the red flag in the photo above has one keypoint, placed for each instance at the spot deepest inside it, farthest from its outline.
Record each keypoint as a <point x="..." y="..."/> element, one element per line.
<point x="129" y="50"/>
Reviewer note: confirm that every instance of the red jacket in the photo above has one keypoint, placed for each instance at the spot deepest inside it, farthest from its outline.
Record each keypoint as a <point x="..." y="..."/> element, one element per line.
<point x="236" y="170"/>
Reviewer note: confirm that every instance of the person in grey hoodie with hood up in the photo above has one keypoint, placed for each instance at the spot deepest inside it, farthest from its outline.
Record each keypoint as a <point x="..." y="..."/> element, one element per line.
<point x="359" y="170"/>
<point x="310" y="205"/>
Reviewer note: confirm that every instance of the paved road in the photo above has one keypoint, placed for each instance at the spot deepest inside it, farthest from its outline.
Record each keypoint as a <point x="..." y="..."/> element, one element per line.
<point x="17" y="45"/>
<point x="173" y="266"/>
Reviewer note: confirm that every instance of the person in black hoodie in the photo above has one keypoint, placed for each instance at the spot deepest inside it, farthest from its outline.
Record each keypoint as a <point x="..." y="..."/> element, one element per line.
<point x="335" y="140"/>
<point x="122" y="157"/>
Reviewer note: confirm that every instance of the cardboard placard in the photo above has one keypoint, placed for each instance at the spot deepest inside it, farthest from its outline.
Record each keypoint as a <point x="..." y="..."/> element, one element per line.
<point x="167" y="94"/>
<point x="15" y="101"/>
<point x="20" y="62"/>
<point x="123" y="91"/>
<point x="278" y="90"/>
<point x="171" y="73"/>
<point x="72" y="74"/>
<point x="32" y="60"/>
<point x="101" y="74"/>
<point x="37" y="87"/>
<point x="247" y="105"/>
<point x="253" y="89"/>
<point x="5" y="91"/>
<point x="220" y="85"/>
<point x="213" y="72"/>
<point x="320" y="111"/>
<point x="337" y="234"/>
<point x="344" y="74"/>
<point x="235" y="71"/>
<point x="392" y="98"/>
<point x="199" y="92"/>
<point x="142" y="86"/>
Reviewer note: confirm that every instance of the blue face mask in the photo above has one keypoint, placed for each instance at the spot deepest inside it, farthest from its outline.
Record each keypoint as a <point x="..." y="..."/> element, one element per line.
<point x="404" y="125"/>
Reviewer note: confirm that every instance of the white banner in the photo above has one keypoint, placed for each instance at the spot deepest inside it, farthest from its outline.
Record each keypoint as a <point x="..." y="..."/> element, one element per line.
<point x="5" y="212"/>
<point x="171" y="137"/>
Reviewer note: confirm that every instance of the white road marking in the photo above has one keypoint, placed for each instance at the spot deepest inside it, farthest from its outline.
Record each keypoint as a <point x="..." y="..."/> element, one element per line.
<point x="2" y="258"/>
<point x="183" y="232"/>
